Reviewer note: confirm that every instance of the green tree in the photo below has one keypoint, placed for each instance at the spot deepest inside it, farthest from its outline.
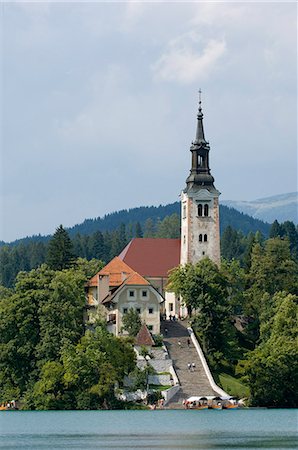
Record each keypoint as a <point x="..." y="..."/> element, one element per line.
<point x="231" y="247"/>
<point x="61" y="316"/>
<point x="20" y="330"/>
<point x="89" y="268"/>
<point x="97" y="245"/>
<point x="291" y="233"/>
<point x="275" y="230"/>
<point x="272" y="270"/>
<point x="169" y="227"/>
<point x="94" y="366"/>
<point x="138" y="230"/>
<point x="236" y="283"/>
<point x="131" y="322"/>
<point x="50" y="391"/>
<point x="272" y="368"/>
<point x="60" y="250"/>
<point x="203" y="288"/>
<point x="149" y="231"/>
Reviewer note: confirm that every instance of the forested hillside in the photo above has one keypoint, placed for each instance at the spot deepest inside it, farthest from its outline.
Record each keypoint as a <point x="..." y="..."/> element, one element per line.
<point x="130" y="217"/>
<point x="105" y="237"/>
<point x="49" y="360"/>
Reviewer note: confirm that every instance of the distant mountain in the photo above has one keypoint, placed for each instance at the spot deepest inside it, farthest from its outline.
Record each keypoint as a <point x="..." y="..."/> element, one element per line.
<point x="279" y="207"/>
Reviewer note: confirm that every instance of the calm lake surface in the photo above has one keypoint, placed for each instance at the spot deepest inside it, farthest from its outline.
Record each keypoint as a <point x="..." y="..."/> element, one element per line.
<point x="240" y="429"/>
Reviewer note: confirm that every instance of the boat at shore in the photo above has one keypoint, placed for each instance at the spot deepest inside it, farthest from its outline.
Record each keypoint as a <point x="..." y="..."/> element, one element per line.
<point x="210" y="402"/>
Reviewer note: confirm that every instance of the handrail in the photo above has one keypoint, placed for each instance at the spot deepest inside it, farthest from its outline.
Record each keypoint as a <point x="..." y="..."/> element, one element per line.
<point x="214" y="386"/>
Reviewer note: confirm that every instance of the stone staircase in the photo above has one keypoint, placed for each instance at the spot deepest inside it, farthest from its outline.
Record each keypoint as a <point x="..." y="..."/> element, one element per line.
<point x="193" y="382"/>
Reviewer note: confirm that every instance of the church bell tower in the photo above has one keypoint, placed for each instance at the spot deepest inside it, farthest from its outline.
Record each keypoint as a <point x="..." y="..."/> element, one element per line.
<point x="199" y="204"/>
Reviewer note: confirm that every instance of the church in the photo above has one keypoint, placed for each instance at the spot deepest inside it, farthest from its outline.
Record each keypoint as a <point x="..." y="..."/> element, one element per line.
<point x="138" y="277"/>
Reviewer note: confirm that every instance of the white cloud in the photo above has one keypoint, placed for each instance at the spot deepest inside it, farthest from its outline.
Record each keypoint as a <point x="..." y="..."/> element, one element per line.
<point x="214" y="13"/>
<point x="186" y="61"/>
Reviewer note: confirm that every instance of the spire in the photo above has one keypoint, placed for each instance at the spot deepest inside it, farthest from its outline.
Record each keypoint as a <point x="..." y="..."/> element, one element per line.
<point x="200" y="174"/>
<point x="200" y="137"/>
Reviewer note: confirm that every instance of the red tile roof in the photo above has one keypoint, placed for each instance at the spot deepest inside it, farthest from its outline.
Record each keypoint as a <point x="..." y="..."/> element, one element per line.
<point x="117" y="271"/>
<point x="120" y="274"/>
<point x="133" y="280"/>
<point x="136" y="279"/>
<point x="152" y="257"/>
<point x="144" y="337"/>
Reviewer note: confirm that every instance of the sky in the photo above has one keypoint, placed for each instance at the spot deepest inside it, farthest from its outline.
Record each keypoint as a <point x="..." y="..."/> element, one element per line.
<point x="99" y="104"/>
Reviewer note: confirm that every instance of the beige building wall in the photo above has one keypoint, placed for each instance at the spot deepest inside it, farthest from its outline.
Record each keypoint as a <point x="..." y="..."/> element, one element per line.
<point x="148" y="305"/>
<point x="199" y="234"/>
<point x="172" y="305"/>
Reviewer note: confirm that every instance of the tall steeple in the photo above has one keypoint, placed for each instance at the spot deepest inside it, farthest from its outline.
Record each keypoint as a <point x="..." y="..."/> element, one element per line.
<point x="199" y="204"/>
<point x="200" y="174"/>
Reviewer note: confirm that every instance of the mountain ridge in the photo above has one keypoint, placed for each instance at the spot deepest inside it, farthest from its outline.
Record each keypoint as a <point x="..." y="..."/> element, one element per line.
<point x="280" y="207"/>
<point x="109" y="222"/>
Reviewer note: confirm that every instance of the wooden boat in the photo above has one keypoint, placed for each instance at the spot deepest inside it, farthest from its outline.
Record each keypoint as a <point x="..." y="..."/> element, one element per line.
<point x="215" y="403"/>
<point x="231" y="403"/>
<point x="196" y="403"/>
<point x="231" y="406"/>
<point x="217" y="406"/>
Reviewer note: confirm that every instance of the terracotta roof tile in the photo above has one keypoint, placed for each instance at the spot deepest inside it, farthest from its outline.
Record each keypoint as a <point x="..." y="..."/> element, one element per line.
<point x="152" y="257"/>
<point x="136" y="279"/>
<point x="117" y="270"/>
<point x="144" y="337"/>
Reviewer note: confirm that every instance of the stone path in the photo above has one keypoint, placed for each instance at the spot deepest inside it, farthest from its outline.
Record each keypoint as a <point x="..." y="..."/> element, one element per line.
<point x="192" y="382"/>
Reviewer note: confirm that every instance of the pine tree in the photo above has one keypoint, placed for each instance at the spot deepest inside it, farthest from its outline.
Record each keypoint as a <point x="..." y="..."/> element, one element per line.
<point x="60" y="250"/>
<point x="149" y="228"/>
<point x="122" y="236"/>
<point x="275" y="230"/>
<point x="139" y="232"/>
<point x="97" y="245"/>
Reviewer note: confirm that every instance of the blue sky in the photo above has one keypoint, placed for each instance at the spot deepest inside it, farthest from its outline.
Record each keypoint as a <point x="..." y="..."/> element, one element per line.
<point x="99" y="105"/>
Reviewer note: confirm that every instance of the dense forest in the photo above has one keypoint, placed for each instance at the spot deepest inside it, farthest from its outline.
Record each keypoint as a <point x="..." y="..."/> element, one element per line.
<point x="103" y="238"/>
<point x="51" y="359"/>
<point x="245" y="312"/>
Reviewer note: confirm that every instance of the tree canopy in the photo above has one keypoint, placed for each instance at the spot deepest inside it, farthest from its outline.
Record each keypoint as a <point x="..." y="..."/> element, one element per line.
<point x="43" y="338"/>
<point x="60" y="250"/>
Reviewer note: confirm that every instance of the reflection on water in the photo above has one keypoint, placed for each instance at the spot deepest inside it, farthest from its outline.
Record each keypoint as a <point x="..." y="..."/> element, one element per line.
<point x="246" y="429"/>
<point x="148" y="442"/>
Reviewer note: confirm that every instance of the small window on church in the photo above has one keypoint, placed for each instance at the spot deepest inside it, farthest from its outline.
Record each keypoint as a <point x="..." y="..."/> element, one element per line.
<point x="124" y="310"/>
<point x="205" y="237"/>
<point x="131" y="293"/>
<point x="184" y="239"/>
<point x="206" y="210"/>
<point x="200" y="238"/>
<point x="184" y="211"/>
<point x="138" y="310"/>
<point x="203" y="253"/>
<point x="200" y="210"/>
<point x="150" y="310"/>
<point x="150" y="327"/>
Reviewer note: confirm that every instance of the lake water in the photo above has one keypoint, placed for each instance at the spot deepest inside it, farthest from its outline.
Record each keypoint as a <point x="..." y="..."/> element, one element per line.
<point x="238" y="429"/>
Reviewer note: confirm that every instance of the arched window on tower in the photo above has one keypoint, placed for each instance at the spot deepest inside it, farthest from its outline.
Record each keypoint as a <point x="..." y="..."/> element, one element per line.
<point x="206" y="210"/>
<point x="200" y="210"/>
<point x="200" y="238"/>
<point x="205" y="237"/>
